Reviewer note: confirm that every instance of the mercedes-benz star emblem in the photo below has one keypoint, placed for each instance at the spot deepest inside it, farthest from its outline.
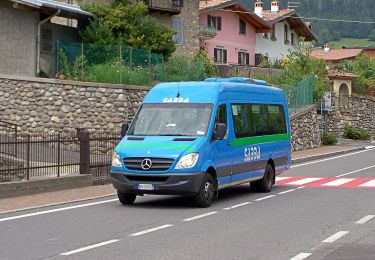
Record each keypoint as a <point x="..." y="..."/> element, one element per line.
<point x="146" y="164"/>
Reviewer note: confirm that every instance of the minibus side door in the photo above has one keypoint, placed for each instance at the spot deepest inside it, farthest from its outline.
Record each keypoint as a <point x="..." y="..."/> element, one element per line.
<point x="221" y="148"/>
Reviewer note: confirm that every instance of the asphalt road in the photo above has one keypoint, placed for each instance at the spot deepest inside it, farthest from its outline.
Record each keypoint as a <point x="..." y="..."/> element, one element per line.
<point x="295" y="221"/>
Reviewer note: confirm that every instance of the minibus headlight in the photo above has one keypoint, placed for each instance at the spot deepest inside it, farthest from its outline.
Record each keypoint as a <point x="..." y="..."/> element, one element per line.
<point x="116" y="160"/>
<point x="187" y="161"/>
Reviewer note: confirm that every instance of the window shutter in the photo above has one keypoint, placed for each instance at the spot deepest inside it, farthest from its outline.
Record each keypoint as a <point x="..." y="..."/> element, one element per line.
<point x="225" y="56"/>
<point x="218" y="23"/>
<point x="215" y="55"/>
<point x="209" y="20"/>
<point x="239" y="58"/>
<point x="178" y="26"/>
<point x="247" y="59"/>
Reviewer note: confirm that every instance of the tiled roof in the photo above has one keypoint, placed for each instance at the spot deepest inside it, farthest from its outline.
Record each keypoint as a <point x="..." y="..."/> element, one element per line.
<point x="332" y="74"/>
<point x="338" y="54"/>
<point x="277" y="16"/>
<point x="212" y="3"/>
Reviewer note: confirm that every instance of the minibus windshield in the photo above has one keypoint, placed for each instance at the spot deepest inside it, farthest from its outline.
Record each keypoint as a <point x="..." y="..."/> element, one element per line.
<point x="172" y="119"/>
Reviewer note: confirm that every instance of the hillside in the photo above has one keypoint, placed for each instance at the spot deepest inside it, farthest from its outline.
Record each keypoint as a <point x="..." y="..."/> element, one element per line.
<point x="359" y="10"/>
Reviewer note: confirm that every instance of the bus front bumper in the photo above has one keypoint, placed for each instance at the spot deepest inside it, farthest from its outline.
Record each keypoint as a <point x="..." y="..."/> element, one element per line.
<point x="163" y="184"/>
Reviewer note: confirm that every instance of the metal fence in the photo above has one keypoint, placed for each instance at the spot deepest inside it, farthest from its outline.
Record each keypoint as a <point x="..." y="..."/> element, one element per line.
<point x="46" y="155"/>
<point x="122" y="65"/>
<point x="299" y="95"/>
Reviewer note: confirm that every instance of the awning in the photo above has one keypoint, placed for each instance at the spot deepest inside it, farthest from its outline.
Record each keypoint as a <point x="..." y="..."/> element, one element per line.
<point x="50" y="7"/>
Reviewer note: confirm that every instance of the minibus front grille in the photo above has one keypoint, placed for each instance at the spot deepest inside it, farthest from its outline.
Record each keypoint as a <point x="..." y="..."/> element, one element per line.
<point x="158" y="164"/>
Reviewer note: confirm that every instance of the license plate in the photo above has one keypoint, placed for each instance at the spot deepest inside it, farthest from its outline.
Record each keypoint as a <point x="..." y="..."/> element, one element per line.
<point x="146" y="187"/>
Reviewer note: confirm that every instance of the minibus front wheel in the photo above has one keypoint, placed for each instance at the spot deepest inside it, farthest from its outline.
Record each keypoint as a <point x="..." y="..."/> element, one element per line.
<point x="206" y="193"/>
<point x="126" y="198"/>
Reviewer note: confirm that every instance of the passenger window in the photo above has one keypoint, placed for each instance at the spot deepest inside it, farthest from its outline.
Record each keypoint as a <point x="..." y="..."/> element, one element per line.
<point x="258" y="119"/>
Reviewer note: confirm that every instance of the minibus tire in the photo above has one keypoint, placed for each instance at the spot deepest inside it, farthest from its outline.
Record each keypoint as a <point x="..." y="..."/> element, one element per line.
<point x="206" y="193"/>
<point x="265" y="184"/>
<point x="126" y="198"/>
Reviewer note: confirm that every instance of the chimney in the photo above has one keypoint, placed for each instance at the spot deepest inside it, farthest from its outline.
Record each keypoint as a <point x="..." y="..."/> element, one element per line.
<point x="275" y="6"/>
<point x="258" y="10"/>
<point x="326" y="48"/>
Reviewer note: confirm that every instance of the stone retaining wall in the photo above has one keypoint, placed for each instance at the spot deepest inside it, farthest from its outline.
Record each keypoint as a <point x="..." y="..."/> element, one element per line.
<point x="44" y="105"/>
<point x="305" y="127"/>
<point x="359" y="113"/>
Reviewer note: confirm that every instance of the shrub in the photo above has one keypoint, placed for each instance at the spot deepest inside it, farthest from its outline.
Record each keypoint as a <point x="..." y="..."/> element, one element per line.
<point x="356" y="133"/>
<point x="329" y="139"/>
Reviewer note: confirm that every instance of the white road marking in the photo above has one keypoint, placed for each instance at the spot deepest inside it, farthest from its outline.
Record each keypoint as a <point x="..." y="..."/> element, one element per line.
<point x="264" y="198"/>
<point x="301" y="256"/>
<point x="281" y="178"/>
<point x="89" y="247"/>
<point x="335" y="237"/>
<point x="368" y="184"/>
<point x="359" y="170"/>
<point x="238" y="205"/>
<point x="365" y="219"/>
<point x="337" y="182"/>
<point x="150" y="230"/>
<point x="331" y="158"/>
<point x="287" y="191"/>
<point x="369" y="147"/>
<point x="303" y="181"/>
<point x="200" y="216"/>
<point x="56" y="210"/>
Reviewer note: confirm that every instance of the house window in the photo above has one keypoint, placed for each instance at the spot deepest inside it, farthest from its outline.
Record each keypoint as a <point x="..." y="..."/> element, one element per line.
<point x="243" y="58"/>
<point x="242" y="27"/>
<point x="292" y="38"/>
<point x="46" y="43"/>
<point x="286" y="33"/>
<point x="273" y="33"/>
<point x="220" y="55"/>
<point x="214" y="22"/>
<point x="178" y="26"/>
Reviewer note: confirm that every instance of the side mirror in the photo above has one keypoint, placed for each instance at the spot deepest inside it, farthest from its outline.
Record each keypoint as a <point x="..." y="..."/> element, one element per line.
<point x="124" y="129"/>
<point x="220" y="131"/>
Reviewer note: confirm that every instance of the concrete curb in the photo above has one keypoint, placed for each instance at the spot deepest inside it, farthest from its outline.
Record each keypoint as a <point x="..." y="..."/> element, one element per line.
<point x="325" y="155"/>
<point x="57" y="203"/>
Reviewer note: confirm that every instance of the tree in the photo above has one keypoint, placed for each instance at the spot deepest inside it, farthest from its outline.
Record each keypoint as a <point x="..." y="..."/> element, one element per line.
<point x="372" y="35"/>
<point x="126" y="23"/>
<point x="299" y="64"/>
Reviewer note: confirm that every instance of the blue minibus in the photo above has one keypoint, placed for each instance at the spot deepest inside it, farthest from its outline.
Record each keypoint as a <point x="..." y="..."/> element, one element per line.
<point x="196" y="138"/>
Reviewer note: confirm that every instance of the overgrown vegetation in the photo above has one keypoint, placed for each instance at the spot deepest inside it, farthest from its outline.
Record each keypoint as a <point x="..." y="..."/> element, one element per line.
<point x="329" y="139"/>
<point x="118" y="70"/>
<point x="124" y="23"/>
<point x="351" y="132"/>
<point x="364" y="67"/>
<point x="297" y="66"/>
<point x="209" y="66"/>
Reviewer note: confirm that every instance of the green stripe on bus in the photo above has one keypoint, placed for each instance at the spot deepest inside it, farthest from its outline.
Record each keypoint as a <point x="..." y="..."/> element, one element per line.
<point x="260" y="139"/>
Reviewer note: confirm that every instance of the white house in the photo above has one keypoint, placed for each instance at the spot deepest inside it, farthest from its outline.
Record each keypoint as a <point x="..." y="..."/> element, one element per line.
<point x="287" y="28"/>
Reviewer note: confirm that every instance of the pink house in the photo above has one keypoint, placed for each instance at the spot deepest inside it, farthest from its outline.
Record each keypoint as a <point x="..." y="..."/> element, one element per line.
<point x="228" y="31"/>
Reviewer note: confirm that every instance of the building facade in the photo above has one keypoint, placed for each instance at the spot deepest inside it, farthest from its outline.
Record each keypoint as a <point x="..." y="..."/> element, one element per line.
<point x="228" y="32"/>
<point x="287" y="28"/>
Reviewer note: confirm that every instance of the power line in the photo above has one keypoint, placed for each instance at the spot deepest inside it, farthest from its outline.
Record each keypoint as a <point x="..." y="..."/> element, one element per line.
<point x="309" y="18"/>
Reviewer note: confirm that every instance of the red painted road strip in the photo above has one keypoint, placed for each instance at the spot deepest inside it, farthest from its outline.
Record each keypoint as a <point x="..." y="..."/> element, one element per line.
<point x="355" y="183"/>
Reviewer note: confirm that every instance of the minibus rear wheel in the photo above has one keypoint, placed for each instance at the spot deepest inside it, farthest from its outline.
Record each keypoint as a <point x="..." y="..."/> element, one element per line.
<point x="126" y="198"/>
<point x="206" y="193"/>
<point x="265" y="184"/>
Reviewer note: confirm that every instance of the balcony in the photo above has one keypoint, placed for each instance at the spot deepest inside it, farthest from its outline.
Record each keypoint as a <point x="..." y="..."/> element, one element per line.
<point x="165" y="6"/>
<point x="206" y="32"/>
